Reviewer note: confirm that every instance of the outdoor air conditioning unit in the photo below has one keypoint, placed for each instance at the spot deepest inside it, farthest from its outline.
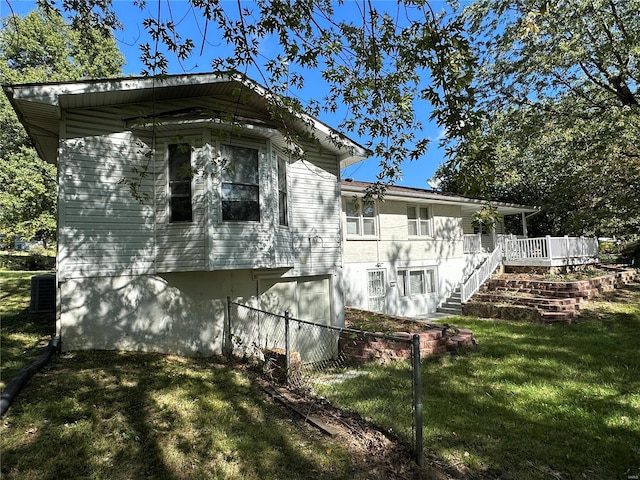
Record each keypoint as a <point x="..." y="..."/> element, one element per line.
<point x="43" y="293"/>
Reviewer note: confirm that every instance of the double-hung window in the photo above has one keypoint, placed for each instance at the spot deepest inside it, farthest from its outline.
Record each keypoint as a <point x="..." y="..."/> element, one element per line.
<point x="418" y="221"/>
<point x="240" y="184"/>
<point x="361" y="218"/>
<point x="416" y="282"/>
<point x="180" y="174"/>
<point x="283" y="213"/>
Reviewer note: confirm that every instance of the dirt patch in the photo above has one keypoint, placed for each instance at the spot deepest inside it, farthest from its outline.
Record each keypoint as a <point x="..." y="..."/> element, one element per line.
<point x="373" y="452"/>
<point x="387" y="324"/>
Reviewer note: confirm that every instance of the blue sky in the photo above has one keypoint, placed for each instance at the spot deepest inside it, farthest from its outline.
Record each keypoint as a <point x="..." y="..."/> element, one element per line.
<point x="415" y="174"/>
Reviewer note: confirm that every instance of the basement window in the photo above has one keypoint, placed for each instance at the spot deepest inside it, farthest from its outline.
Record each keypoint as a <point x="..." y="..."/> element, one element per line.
<point x="416" y="282"/>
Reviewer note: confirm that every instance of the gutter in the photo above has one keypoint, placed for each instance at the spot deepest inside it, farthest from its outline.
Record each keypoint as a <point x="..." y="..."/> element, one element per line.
<point x="20" y="380"/>
<point x="437" y="198"/>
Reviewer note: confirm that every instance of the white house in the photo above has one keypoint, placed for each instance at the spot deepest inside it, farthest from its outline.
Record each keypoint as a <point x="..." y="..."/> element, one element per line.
<point x="406" y="255"/>
<point x="175" y="193"/>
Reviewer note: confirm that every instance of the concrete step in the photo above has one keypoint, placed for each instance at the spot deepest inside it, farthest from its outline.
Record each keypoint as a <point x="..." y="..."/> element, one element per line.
<point x="450" y="309"/>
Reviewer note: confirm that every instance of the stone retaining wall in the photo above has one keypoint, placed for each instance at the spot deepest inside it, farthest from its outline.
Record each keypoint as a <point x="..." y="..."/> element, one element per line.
<point x="517" y="298"/>
<point x="581" y="289"/>
<point x="434" y="341"/>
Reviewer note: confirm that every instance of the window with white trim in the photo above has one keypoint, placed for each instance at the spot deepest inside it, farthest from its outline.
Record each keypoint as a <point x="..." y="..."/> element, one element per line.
<point x="180" y="175"/>
<point x="416" y="282"/>
<point x="418" y="221"/>
<point x="361" y="218"/>
<point x="240" y="184"/>
<point x="283" y="211"/>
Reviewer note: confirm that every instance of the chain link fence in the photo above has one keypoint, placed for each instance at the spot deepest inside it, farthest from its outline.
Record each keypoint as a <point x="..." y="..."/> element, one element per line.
<point x="373" y="374"/>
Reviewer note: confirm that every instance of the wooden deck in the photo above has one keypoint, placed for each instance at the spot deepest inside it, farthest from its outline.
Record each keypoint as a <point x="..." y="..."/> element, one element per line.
<point x="550" y="251"/>
<point x="542" y="251"/>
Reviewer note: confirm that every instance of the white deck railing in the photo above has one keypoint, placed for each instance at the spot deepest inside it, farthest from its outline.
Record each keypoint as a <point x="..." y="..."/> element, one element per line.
<point x="480" y="275"/>
<point x="544" y="251"/>
<point x="472" y="243"/>
<point x="553" y="251"/>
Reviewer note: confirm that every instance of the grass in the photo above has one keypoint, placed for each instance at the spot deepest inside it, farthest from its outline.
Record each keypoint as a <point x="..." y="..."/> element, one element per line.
<point x="24" y="336"/>
<point x="532" y="401"/>
<point x="109" y="415"/>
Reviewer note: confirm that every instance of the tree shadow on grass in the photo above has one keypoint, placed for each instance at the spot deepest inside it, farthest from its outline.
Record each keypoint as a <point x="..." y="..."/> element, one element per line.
<point x="116" y="416"/>
<point x="539" y="401"/>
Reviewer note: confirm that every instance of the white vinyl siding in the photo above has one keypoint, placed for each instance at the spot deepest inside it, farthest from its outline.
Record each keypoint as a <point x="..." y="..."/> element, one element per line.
<point x="105" y="230"/>
<point x="180" y="246"/>
<point x="249" y="243"/>
<point x="315" y="214"/>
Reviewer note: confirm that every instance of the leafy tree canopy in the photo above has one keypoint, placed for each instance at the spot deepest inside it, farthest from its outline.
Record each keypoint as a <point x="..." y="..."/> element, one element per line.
<point x="559" y="110"/>
<point x="40" y="47"/>
<point x="383" y="63"/>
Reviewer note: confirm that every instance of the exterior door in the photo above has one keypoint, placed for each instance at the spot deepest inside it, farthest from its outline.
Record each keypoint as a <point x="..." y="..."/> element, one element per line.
<point x="308" y="299"/>
<point x="314" y="301"/>
<point x="376" y="289"/>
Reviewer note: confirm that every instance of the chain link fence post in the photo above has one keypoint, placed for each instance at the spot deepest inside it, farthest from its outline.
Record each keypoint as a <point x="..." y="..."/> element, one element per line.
<point x="417" y="396"/>
<point x="227" y="348"/>
<point x="287" y="345"/>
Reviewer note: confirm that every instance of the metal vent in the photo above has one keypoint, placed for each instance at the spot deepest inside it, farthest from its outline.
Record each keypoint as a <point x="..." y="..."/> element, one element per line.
<point x="43" y="293"/>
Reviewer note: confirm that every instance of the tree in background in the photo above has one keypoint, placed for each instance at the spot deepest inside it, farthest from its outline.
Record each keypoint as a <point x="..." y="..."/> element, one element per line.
<point x="40" y="47"/>
<point x="559" y="101"/>
<point x="381" y="62"/>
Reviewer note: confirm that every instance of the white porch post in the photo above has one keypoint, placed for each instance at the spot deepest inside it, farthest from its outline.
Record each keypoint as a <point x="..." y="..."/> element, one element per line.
<point x="524" y="224"/>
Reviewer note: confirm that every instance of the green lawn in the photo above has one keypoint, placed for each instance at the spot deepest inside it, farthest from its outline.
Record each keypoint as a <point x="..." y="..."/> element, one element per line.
<point x="531" y="401"/>
<point x="109" y="415"/>
<point x="24" y="336"/>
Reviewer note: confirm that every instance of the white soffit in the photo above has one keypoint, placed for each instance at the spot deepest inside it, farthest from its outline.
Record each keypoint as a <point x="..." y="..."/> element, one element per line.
<point x="39" y="106"/>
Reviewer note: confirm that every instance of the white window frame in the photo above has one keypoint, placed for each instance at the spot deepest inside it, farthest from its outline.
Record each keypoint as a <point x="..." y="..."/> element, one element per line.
<point x="170" y="182"/>
<point x="282" y="160"/>
<point x="359" y="219"/>
<point x="429" y="279"/>
<point x="419" y="221"/>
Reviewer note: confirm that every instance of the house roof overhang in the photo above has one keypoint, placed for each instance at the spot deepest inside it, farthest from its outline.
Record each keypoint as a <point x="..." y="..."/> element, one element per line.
<point x="40" y="107"/>
<point x="419" y="195"/>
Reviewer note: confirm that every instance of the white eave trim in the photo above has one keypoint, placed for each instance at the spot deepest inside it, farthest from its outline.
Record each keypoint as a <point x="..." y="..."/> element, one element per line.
<point x="435" y="198"/>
